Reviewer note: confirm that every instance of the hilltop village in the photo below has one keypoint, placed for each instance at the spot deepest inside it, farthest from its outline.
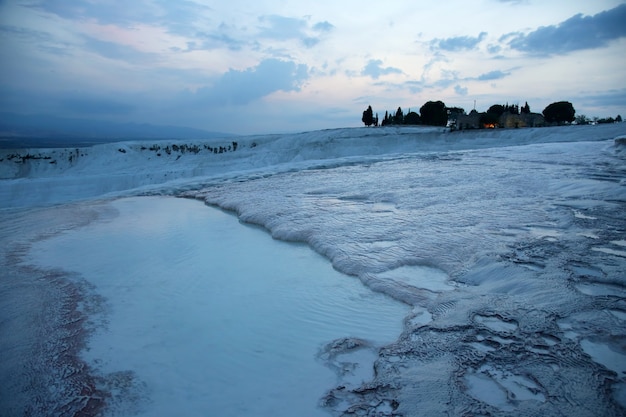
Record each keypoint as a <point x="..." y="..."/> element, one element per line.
<point x="436" y="113"/>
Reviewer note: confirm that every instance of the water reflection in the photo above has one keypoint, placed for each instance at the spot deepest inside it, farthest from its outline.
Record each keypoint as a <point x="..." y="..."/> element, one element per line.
<point x="214" y="316"/>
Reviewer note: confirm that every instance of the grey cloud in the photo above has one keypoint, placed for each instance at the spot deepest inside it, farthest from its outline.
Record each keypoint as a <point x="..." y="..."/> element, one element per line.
<point x="374" y="69"/>
<point x="508" y="36"/>
<point x="462" y="91"/>
<point x="117" y="51"/>
<point x="616" y="98"/>
<point x="451" y="78"/>
<point x="183" y="17"/>
<point x="242" y="87"/>
<point x="216" y="39"/>
<point x="576" y="33"/>
<point x="68" y="103"/>
<point x="493" y="75"/>
<point x="458" y="43"/>
<point x="310" y="42"/>
<point x="494" y="49"/>
<point x="177" y="16"/>
<point x="119" y="12"/>
<point x="323" y="27"/>
<point x="286" y="28"/>
<point x="23" y="33"/>
<point x="414" y="86"/>
<point x="444" y="82"/>
<point x="43" y="41"/>
<point x="436" y="58"/>
<point x="280" y="27"/>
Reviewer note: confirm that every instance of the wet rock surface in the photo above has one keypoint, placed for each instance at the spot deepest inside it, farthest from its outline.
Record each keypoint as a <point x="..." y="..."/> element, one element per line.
<point x="45" y="322"/>
<point x="529" y="318"/>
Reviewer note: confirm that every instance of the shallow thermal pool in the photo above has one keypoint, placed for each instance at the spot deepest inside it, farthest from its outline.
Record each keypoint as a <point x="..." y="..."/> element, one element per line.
<point x="205" y="315"/>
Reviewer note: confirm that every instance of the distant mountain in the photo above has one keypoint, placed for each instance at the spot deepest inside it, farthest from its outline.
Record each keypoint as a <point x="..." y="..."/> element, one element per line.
<point x="42" y="130"/>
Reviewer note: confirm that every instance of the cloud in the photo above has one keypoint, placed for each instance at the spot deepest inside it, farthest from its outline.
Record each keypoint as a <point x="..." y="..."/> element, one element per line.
<point x="242" y="87"/>
<point x="323" y="27"/>
<point x="458" y="43"/>
<point x="70" y="103"/>
<point x="493" y="75"/>
<point x="179" y="16"/>
<point x="117" y="51"/>
<point x="280" y="27"/>
<point x="287" y="28"/>
<point x="25" y="34"/>
<point x="449" y="78"/>
<point x="494" y="49"/>
<point x="42" y="41"/>
<point x="119" y="12"/>
<point x="216" y="39"/>
<point x="126" y="13"/>
<point x="414" y="86"/>
<point x="616" y="98"/>
<point x="576" y="33"/>
<point x="374" y="69"/>
<point x="462" y="91"/>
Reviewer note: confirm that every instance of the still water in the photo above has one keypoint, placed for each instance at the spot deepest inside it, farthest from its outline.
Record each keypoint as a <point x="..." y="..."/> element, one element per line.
<point x="206" y="316"/>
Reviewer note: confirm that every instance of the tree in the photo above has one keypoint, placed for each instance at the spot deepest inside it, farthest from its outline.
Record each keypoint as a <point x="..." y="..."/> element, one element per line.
<point x="581" y="119"/>
<point x="496" y="109"/>
<point x="513" y="108"/>
<point x="386" y="120"/>
<point x="525" y="109"/>
<point x="559" y="112"/>
<point x="399" y="118"/>
<point x="618" y="119"/>
<point x="412" y="118"/>
<point x="368" y="116"/>
<point x="606" y="120"/>
<point x="434" y="113"/>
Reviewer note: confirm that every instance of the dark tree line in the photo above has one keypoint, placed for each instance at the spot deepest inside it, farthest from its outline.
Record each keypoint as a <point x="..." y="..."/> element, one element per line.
<point x="499" y="109"/>
<point x="559" y="112"/>
<point x="399" y="118"/>
<point x="493" y="114"/>
<point x="582" y="119"/>
<point x="436" y="113"/>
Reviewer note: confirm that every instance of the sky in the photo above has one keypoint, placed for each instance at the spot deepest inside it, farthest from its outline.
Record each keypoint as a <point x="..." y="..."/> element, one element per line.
<point x="273" y="66"/>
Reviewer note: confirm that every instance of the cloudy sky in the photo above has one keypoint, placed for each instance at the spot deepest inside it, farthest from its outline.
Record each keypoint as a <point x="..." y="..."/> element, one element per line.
<point x="278" y="66"/>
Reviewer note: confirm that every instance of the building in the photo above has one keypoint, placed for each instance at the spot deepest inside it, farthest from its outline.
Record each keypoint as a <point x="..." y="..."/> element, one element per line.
<point x="509" y="120"/>
<point x="468" y="121"/>
<point x="476" y="120"/>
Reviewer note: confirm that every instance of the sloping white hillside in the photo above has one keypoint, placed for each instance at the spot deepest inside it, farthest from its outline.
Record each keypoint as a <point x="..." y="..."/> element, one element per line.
<point x="49" y="176"/>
